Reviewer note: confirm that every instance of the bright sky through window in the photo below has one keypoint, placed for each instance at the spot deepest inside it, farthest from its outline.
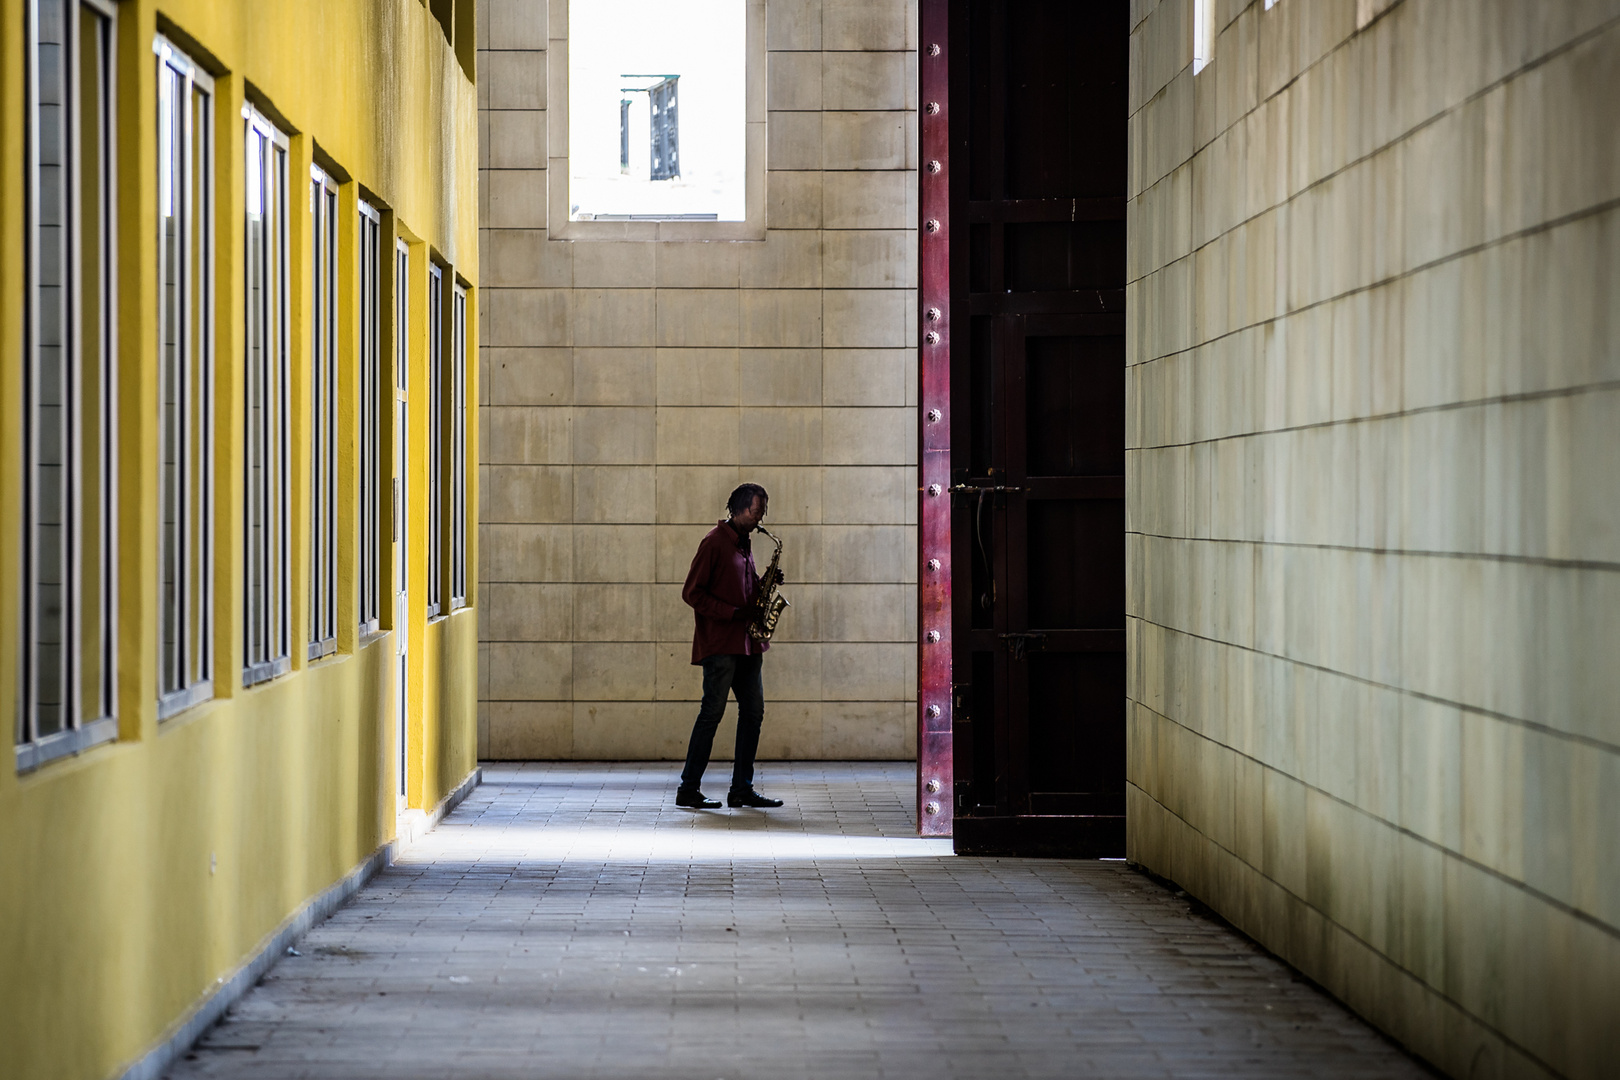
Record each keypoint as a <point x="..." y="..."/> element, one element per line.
<point x="618" y="50"/>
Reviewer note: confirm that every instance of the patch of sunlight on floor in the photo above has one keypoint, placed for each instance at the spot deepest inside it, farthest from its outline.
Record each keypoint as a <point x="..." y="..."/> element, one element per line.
<point x="610" y="844"/>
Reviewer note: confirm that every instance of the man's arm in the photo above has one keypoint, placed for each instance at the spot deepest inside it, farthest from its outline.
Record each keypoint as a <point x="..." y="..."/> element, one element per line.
<point x="696" y="590"/>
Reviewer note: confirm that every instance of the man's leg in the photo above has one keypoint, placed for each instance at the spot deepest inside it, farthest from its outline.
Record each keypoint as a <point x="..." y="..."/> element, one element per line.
<point x="718" y="674"/>
<point x="749" y="686"/>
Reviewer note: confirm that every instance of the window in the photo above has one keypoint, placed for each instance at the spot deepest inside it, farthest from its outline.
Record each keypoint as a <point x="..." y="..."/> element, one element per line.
<point x="370" y="359"/>
<point x="657" y="98"/>
<point x="458" y="448"/>
<point x="402" y="354"/>
<point x="1203" y="33"/>
<point x="186" y="381"/>
<point x="660" y="105"/>
<point x="435" y="463"/>
<point x="323" y="418"/>
<point x="67" y="540"/>
<point x="265" y="377"/>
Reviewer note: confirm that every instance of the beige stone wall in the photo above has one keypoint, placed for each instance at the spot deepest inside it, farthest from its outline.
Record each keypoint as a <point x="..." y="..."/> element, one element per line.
<point x="629" y="386"/>
<point x="1374" y="506"/>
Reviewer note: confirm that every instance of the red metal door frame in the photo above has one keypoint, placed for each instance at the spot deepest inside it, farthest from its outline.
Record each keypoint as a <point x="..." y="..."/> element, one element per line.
<point x="935" y="787"/>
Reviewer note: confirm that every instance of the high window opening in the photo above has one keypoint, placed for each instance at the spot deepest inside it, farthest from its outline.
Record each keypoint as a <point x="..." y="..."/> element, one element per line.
<point x="265" y="530"/>
<point x="1204" y="33"/>
<point x="323" y="415"/>
<point x="185" y="381"/>
<point x="68" y="544"/>
<point x="369" y="359"/>
<point x="657" y="110"/>
<point x="435" y="463"/>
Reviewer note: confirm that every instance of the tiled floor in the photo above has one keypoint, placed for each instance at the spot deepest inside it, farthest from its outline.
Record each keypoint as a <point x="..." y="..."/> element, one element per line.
<point x="567" y="921"/>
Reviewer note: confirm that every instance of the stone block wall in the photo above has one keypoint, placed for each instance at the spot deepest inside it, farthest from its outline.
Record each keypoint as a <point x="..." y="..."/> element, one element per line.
<point x="1374" y="505"/>
<point x="629" y="386"/>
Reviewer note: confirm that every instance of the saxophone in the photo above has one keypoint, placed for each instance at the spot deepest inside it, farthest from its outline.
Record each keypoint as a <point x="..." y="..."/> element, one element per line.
<point x="769" y="603"/>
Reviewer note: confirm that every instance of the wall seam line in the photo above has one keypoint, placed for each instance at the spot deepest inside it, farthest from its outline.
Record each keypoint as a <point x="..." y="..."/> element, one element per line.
<point x="1530" y="725"/>
<point x="1484" y="556"/>
<point x="1552" y="901"/>
<point x="1528" y="231"/>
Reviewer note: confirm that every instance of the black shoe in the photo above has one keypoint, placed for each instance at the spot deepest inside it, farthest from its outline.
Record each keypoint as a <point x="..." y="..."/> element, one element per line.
<point x="750" y="798"/>
<point x="693" y="799"/>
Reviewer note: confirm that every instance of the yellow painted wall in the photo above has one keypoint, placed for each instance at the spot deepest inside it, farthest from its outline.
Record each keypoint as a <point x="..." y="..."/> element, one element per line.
<point x="113" y="927"/>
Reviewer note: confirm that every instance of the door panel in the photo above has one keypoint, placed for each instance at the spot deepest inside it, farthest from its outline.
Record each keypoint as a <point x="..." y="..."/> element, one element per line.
<point x="1036" y="389"/>
<point x="1074" y="391"/>
<point x="1071" y="543"/>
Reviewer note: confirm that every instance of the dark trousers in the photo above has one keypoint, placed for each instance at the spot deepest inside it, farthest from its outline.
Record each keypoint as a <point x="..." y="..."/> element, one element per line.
<point x="723" y="675"/>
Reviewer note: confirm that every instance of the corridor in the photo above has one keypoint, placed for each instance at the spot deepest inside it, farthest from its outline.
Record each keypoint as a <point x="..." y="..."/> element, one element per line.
<point x="567" y="921"/>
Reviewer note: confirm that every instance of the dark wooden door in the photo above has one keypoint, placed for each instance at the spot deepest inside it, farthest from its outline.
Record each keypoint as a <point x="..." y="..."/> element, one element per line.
<point x="1037" y="185"/>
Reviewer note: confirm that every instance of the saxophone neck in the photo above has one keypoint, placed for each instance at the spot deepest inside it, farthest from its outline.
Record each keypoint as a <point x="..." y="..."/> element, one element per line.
<point x="772" y="536"/>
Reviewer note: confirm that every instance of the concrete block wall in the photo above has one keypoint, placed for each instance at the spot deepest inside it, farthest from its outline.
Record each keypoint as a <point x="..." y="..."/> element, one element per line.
<point x="1374" y="505"/>
<point x="629" y="386"/>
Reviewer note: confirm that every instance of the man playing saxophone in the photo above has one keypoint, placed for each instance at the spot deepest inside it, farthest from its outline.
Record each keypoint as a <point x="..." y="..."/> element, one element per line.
<point x="723" y="587"/>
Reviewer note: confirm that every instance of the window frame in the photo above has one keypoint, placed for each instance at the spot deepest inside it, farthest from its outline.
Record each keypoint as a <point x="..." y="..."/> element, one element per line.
<point x="76" y="732"/>
<point x="752" y="227"/>
<point x="435" y="441"/>
<point x="266" y="654"/>
<point x="457" y="399"/>
<point x="195" y="343"/>
<point x="325" y="400"/>
<point x="368" y="505"/>
<point x="399" y="430"/>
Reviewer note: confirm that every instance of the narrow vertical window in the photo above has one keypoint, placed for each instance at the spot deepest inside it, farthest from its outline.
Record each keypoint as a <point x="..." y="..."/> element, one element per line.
<point x="68" y="581"/>
<point x="435" y="463"/>
<point x="458" y="449"/>
<point x="401" y="470"/>
<point x="265" y="378"/>
<point x="1203" y="33"/>
<point x="367" y="510"/>
<point x="402" y="442"/>
<point x="185" y="381"/>
<point x="323" y="418"/>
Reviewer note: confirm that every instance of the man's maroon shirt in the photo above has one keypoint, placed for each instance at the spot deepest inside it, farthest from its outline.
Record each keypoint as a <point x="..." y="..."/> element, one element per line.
<point x="720" y="587"/>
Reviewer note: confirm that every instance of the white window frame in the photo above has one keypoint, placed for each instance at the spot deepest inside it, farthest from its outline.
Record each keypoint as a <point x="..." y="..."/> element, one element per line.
<point x="558" y="225"/>
<point x="435" y="440"/>
<point x="458" y="447"/>
<point x="323" y="414"/>
<point x="73" y="414"/>
<point x="368" y="580"/>
<point x="189" y="551"/>
<point x="265" y="451"/>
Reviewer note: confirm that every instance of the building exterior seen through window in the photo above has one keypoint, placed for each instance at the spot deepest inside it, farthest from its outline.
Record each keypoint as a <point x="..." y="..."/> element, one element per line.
<point x="657" y="110"/>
